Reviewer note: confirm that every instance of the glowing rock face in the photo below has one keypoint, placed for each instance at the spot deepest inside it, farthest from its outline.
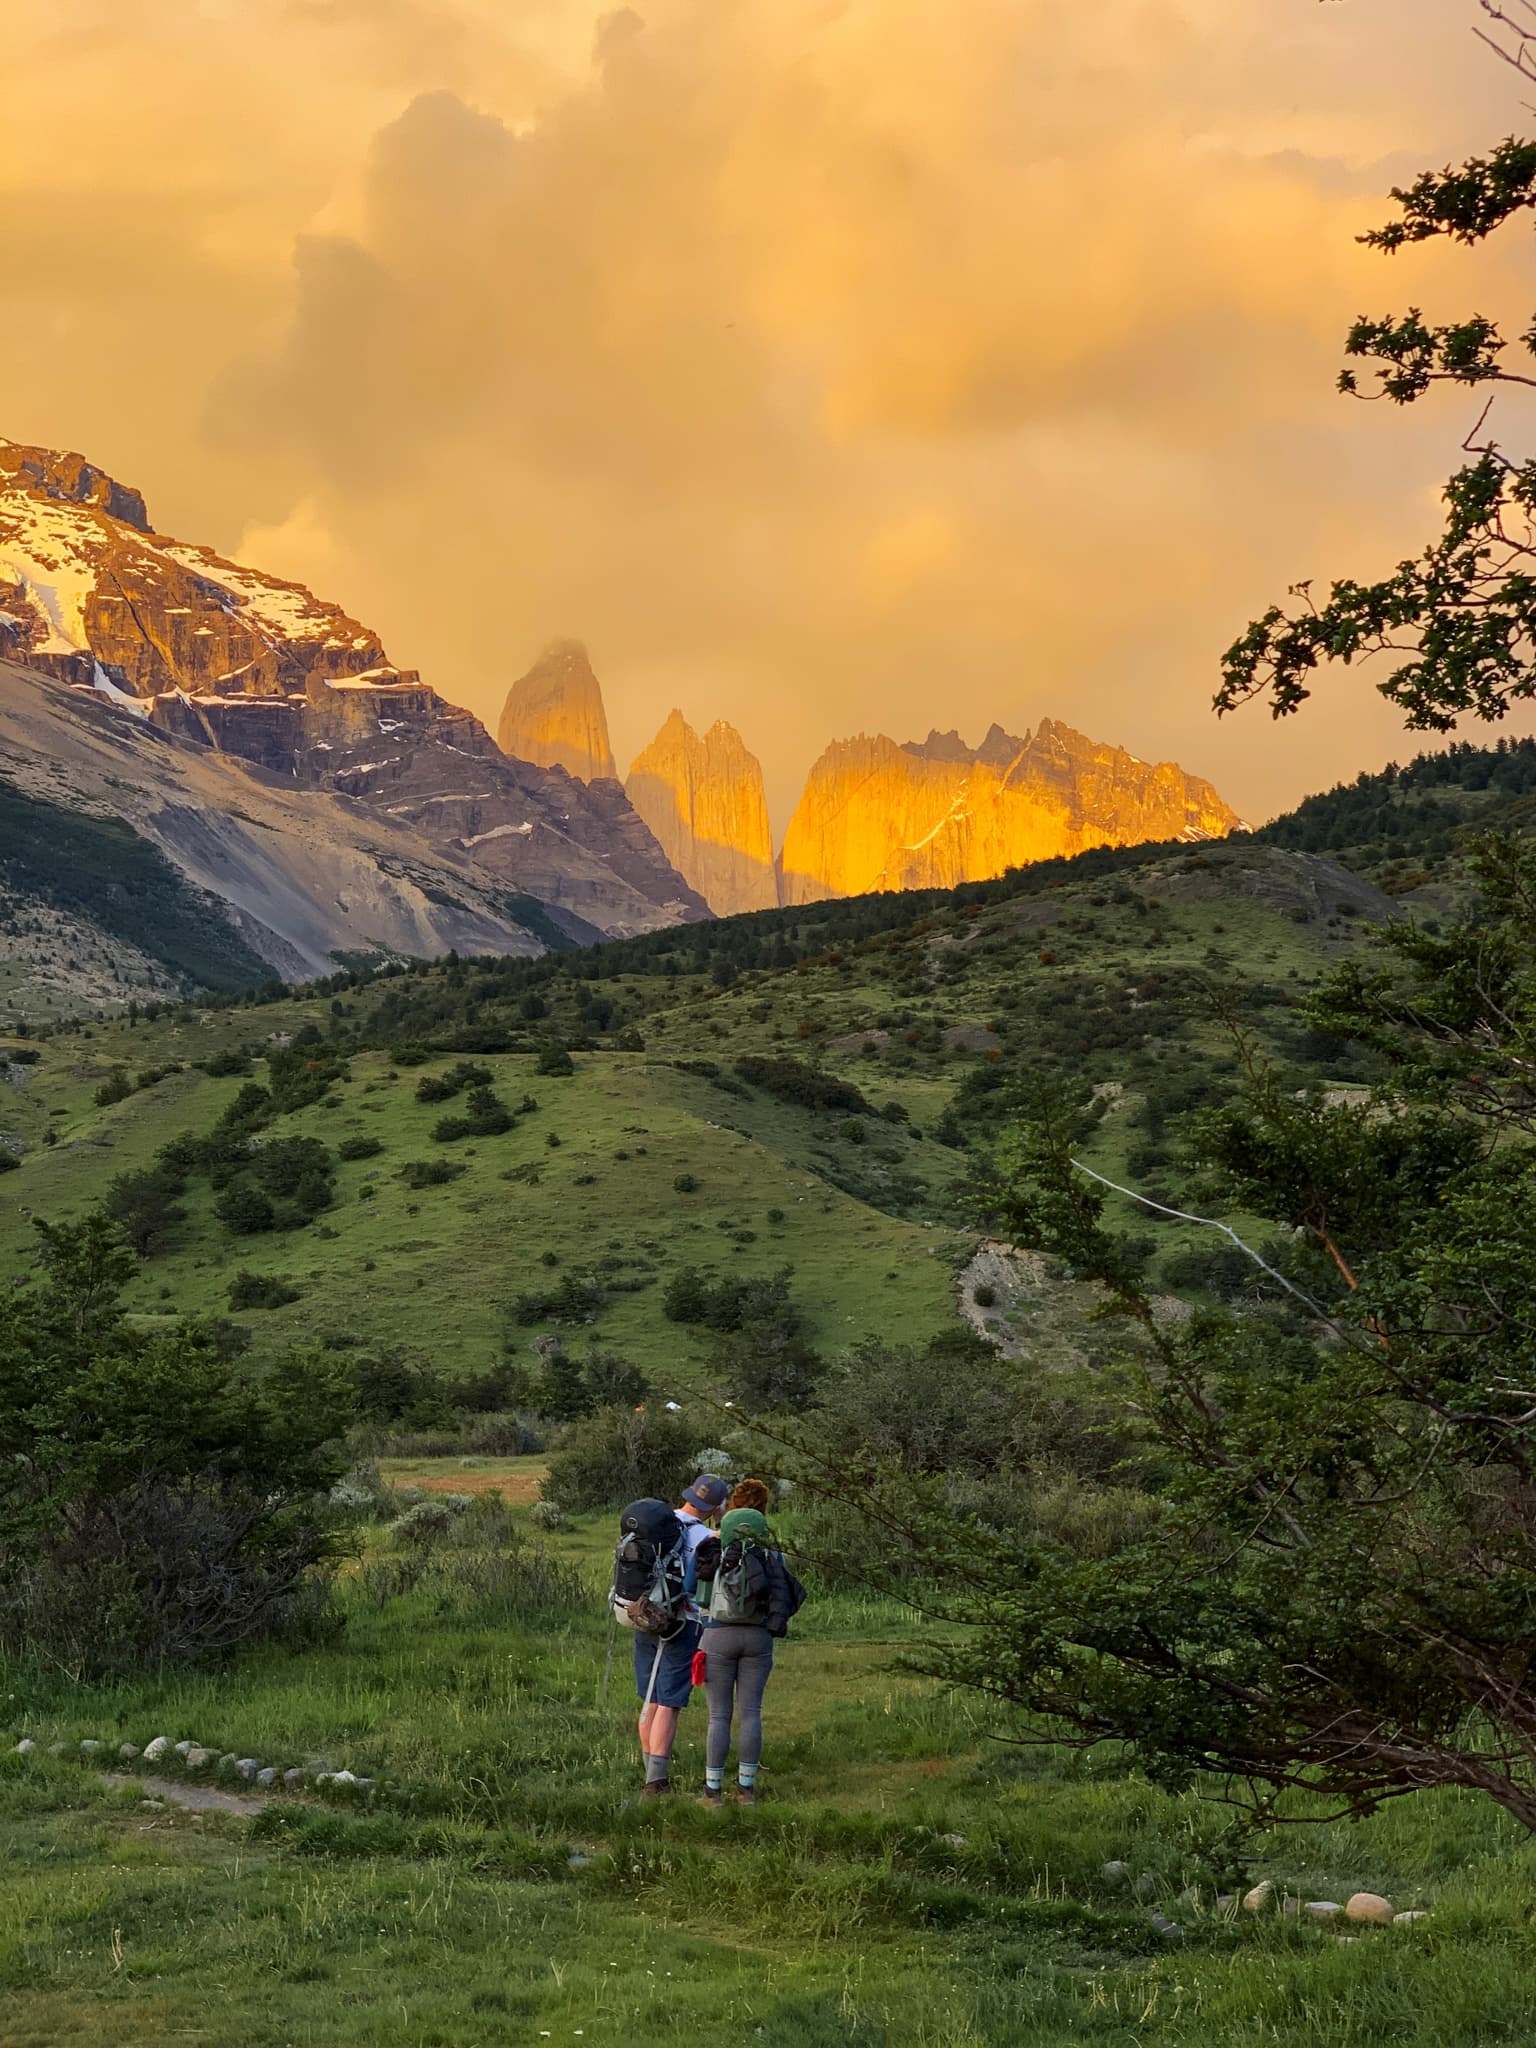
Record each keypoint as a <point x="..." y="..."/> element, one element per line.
<point x="554" y="716"/>
<point x="703" y="798"/>
<point x="875" y="815"/>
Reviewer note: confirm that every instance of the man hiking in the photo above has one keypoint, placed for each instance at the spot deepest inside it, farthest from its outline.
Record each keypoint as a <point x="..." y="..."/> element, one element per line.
<point x="664" y="1668"/>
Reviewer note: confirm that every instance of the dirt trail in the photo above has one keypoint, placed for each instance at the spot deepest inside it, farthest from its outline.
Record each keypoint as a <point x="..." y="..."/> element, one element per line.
<point x="192" y="1798"/>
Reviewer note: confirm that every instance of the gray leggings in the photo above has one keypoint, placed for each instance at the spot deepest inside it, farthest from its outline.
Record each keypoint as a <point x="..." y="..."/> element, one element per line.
<point x="737" y="1661"/>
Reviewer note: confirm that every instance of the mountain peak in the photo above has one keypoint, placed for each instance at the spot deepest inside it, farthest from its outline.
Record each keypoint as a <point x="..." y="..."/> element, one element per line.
<point x="704" y="800"/>
<point x="554" y="715"/>
<point x="69" y="478"/>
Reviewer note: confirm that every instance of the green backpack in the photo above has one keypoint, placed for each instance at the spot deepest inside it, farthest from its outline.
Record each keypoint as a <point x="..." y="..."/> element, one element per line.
<point x="740" y="1589"/>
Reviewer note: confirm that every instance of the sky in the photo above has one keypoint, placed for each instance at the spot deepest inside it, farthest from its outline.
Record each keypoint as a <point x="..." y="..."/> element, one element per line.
<point x="825" y="365"/>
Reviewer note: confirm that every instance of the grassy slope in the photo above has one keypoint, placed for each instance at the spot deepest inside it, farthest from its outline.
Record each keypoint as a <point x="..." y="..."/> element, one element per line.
<point x="907" y="1879"/>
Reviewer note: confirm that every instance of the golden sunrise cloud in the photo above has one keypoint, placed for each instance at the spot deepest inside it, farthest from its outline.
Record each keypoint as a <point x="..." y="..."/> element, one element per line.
<point x="825" y="364"/>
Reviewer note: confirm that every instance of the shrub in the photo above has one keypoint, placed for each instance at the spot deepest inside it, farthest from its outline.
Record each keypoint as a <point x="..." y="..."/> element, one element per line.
<point x="795" y="1081"/>
<point x="245" y="1210"/>
<point x="260" y="1290"/>
<point x="359" y="1148"/>
<point x="984" y="1296"/>
<point x="116" y="1088"/>
<point x="556" y="1061"/>
<point x="618" y="1455"/>
<point x="426" y="1522"/>
<point x="186" y="1509"/>
<point x="576" y="1298"/>
<point x="547" y="1514"/>
<point x="686" y="1184"/>
<point x="431" y="1173"/>
<point x="144" y="1206"/>
<point x="775" y="1215"/>
<point x="852" y="1131"/>
<point x="224" y="1065"/>
<point x="8" y="1160"/>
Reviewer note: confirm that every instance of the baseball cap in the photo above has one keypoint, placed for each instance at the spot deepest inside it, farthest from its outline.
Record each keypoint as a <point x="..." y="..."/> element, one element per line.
<point x="708" y="1493"/>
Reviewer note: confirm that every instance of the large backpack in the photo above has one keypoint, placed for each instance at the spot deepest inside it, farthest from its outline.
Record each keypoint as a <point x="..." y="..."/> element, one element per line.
<point x="740" y="1589"/>
<point x="650" y="1564"/>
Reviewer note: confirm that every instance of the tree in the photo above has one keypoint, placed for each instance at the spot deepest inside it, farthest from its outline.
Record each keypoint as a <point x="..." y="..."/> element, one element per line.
<point x="1464" y="612"/>
<point x="160" y="1504"/>
<point x="1331" y="1583"/>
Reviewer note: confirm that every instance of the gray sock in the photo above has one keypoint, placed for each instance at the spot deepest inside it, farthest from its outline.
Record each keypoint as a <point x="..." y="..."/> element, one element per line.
<point x="657" y="1769"/>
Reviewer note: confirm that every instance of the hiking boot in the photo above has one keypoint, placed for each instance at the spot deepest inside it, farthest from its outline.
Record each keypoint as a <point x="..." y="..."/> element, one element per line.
<point x="657" y="1789"/>
<point x="745" y="1796"/>
<point x="712" y="1796"/>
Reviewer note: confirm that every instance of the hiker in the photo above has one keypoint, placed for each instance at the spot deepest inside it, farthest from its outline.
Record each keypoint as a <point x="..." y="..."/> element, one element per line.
<point x="752" y="1597"/>
<point x="664" y="1664"/>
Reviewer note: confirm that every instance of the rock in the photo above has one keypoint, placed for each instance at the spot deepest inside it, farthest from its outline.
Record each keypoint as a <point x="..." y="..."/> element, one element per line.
<point x="1291" y="1908"/>
<point x="184" y="1749"/>
<point x="1170" y="1930"/>
<point x="1370" y="1907"/>
<point x="955" y="1841"/>
<point x="875" y="815"/>
<point x="342" y="1778"/>
<point x="1145" y="1887"/>
<point x="90" y="1748"/>
<point x="1408" y="1919"/>
<point x="1115" y="1873"/>
<point x="578" y="1861"/>
<point x="198" y="1758"/>
<point x="151" y="1806"/>
<point x="704" y="800"/>
<point x="323" y="1777"/>
<point x="246" y="1767"/>
<point x="363" y="1784"/>
<point x="294" y="1778"/>
<point x="267" y="1776"/>
<point x="1322" y="1909"/>
<point x="1260" y="1898"/>
<point x="25" y="1747"/>
<point x="228" y="1761"/>
<point x="56" y="1748"/>
<point x="554" y="716"/>
<point x="159" y="1747"/>
<point x="1226" y="1902"/>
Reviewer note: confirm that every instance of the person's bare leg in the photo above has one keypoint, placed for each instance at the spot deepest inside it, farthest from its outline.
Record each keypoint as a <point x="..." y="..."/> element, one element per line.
<point x="658" y="1730"/>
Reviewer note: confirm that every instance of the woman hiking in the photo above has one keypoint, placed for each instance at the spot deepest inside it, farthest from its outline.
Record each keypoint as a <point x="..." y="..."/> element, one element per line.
<point x="752" y="1597"/>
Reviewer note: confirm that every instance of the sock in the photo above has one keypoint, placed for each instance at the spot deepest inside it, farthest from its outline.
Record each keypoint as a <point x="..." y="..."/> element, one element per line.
<point x="657" y="1769"/>
<point x="714" y="1780"/>
<point x="745" y="1773"/>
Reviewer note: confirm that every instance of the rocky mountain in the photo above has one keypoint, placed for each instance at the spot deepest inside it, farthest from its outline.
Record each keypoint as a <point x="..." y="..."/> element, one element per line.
<point x="132" y="865"/>
<point x="554" y="716"/>
<point x="704" y="800"/>
<point x="875" y="815"/>
<point x="228" y="659"/>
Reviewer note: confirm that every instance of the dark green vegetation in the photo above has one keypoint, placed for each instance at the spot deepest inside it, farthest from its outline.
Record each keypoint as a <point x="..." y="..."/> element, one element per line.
<point x="101" y="871"/>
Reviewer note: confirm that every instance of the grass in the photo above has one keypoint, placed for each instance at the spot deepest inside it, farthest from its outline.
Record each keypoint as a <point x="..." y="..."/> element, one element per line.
<point x="907" y="1877"/>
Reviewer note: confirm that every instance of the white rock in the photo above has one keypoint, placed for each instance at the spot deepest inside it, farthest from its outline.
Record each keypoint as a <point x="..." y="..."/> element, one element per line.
<point x="955" y="1841"/>
<point x="129" y="1752"/>
<point x="268" y="1776"/>
<point x="247" y="1767"/>
<point x="198" y="1758"/>
<point x="1261" y="1897"/>
<point x="1115" y="1873"/>
<point x="1370" y="1907"/>
<point x="1322" y="1909"/>
<point x="25" y="1747"/>
<point x="56" y="1749"/>
<point x="184" y="1749"/>
<point x="1145" y="1887"/>
<point x="342" y="1778"/>
<point x="1407" y="1919"/>
<point x="295" y="1778"/>
<point x="152" y="1806"/>
<point x="89" y="1748"/>
<point x="1226" y="1902"/>
<point x="153" y="1751"/>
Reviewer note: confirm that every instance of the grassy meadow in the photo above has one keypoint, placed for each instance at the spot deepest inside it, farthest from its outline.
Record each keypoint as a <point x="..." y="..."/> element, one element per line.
<point x="907" y="1877"/>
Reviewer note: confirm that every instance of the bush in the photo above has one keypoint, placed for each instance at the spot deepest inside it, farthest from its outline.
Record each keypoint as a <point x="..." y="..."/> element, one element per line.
<point x="186" y="1509"/>
<point x="428" y="1521"/>
<point x="618" y="1455"/>
<point x="555" y="1060"/>
<point x="257" y="1290"/>
<point x="984" y="1296"/>
<point x="546" y="1514"/>
<point x="224" y="1065"/>
<point x="686" y="1184"/>
<point x="116" y="1088"/>
<point x="431" y="1173"/>
<point x="245" y="1210"/>
<point x="8" y="1160"/>
<point x="359" y="1148"/>
<point x="805" y="1086"/>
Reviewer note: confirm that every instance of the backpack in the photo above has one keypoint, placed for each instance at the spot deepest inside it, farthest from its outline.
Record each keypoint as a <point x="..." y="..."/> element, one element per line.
<point x="740" y="1589"/>
<point x="650" y="1564"/>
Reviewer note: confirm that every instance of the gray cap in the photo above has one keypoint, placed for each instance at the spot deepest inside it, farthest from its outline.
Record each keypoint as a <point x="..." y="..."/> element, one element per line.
<point x="708" y="1493"/>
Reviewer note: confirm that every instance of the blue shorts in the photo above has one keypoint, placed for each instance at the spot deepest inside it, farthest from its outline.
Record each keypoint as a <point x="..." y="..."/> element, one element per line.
<point x="674" y="1678"/>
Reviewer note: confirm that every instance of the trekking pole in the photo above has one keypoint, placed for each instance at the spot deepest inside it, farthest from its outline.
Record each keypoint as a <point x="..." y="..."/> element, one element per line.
<point x="613" y="1630"/>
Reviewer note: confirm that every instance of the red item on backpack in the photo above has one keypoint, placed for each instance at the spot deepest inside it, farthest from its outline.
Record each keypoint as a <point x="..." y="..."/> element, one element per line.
<point x="696" y="1674"/>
